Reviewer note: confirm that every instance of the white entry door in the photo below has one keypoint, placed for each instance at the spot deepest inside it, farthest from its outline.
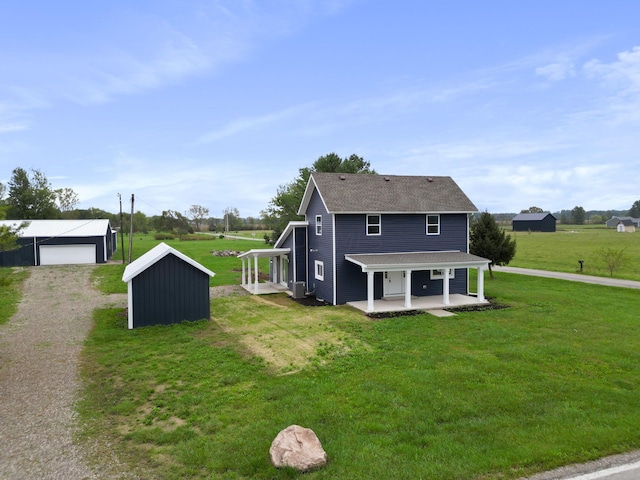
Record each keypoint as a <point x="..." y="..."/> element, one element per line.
<point x="393" y="283"/>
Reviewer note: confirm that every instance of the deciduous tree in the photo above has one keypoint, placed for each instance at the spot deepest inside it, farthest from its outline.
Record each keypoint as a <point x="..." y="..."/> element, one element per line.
<point x="198" y="215"/>
<point x="488" y="240"/>
<point x="532" y="210"/>
<point x="634" y="211"/>
<point x="67" y="199"/>
<point x="283" y="208"/>
<point x="30" y="197"/>
<point x="578" y="215"/>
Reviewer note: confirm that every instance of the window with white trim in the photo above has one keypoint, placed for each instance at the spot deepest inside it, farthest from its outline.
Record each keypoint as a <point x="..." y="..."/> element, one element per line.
<point x="433" y="224"/>
<point x="318" y="224"/>
<point x="319" y="270"/>
<point x="374" y="224"/>
<point x="438" y="273"/>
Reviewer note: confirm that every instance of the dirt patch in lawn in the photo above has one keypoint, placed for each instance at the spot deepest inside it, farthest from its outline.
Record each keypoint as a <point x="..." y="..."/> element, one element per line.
<point x="287" y="339"/>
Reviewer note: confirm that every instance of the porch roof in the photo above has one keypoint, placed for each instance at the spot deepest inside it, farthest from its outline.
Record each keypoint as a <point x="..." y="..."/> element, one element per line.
<point x="416" y="260"/>
<point x="264" y="252"/>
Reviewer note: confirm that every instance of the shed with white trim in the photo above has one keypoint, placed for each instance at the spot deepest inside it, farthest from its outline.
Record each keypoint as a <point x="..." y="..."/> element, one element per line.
<point x="165" y="286"/>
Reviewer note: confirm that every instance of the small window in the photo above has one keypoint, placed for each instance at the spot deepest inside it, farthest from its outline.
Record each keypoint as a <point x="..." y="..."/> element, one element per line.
<point x="373" y="224"/>
<point x="438" y="273"/>
<point x="318" y="224"/>
<point x="319" y="270"/>
<point x="433" y="224"/>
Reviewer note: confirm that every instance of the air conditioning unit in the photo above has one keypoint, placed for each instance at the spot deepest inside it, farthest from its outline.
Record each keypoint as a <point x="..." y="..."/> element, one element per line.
<point x="298" y="290"/>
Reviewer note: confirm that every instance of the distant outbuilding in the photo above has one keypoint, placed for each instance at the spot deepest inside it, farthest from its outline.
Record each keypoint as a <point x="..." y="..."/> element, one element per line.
<point x="534" y="222"/>
<point x="165" y="286"/>
<point x="60" y="242"/>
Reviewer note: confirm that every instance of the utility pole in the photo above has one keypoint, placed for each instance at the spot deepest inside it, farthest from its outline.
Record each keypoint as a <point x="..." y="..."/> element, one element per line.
<point x="121" y="229"/>
<point x="131" y="229"/>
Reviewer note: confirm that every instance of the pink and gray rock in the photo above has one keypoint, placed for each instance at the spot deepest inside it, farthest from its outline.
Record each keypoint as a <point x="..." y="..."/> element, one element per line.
<point x="297" y="447"/>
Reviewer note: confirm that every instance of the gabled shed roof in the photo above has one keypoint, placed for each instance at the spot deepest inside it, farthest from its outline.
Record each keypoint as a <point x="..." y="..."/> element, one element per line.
<point x="96" y="227"/>
<point x="154" y="255"/>
<point x="371" y="193"/>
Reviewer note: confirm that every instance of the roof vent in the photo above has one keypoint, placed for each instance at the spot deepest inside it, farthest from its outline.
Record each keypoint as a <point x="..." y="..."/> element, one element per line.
<point x="342" y="177"/>
<point x="429" y="179"/>
<point x="386" y="179"/>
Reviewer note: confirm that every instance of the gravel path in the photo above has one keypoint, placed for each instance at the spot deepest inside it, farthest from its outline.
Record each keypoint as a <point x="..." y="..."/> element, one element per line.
<point x="39" y="377"/>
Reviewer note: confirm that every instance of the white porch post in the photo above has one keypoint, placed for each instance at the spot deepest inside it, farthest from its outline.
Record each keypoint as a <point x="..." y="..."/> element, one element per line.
<point x="445" y="287"/>
<point x="407" y="289"/>
<point x="243" y="273"/>
<point x="480" y="284"/>
<point x="249" y="277"/>
<point x="256" y="273"/>
<point x="370" y="291"/>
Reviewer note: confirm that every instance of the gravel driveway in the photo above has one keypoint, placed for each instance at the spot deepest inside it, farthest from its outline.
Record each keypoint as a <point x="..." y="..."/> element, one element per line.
<point x="39" y="377"/>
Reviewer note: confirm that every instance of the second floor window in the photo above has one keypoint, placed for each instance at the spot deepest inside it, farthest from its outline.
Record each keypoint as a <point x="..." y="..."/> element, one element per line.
<point x="373" y="225"/>
<point x="433" y="224"/>
<point x="318" y="224"/>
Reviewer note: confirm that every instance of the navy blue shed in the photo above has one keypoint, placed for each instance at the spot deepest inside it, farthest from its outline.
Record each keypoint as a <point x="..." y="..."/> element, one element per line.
<point x="165" y="286"/>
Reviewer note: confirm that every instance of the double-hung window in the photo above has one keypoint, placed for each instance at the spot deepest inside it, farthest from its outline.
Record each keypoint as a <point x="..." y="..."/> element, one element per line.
<point x="433" y="224"/>
<point x="319" y="274"/>
<point x="374" y="224"/>
<point x="318" y="224"/>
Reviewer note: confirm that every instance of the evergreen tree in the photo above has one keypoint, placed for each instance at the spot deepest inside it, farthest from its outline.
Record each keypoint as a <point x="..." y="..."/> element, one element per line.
<point x="488" y="240"/>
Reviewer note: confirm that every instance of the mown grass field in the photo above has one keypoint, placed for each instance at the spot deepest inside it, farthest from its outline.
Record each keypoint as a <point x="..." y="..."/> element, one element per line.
<point x="560" y="251"/>
<point x="553" y="379"/>
<point x="227" y="269"/>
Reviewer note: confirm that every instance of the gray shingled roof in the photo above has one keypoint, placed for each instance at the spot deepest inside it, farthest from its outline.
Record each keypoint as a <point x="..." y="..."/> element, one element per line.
<point x="360" y="193"/>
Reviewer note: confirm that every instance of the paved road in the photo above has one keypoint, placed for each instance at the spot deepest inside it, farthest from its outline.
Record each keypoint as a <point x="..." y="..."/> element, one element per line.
<point x="574" y="277"/>
<point x="616" y="467"/>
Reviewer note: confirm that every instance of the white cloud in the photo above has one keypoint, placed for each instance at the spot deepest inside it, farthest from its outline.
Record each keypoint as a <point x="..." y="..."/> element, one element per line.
<point x="622" y="75"/>
<point x="557" y="71"/>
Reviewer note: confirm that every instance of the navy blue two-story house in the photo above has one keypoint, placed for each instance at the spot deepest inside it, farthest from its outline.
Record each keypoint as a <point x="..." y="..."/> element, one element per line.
<point x="368" y="237"/>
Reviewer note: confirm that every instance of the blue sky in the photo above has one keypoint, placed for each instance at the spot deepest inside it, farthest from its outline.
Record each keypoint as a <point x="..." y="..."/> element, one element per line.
<point x="218" y="102"/>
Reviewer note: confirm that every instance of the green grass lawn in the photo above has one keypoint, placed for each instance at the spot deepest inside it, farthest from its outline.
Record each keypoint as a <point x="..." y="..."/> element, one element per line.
<point x="227" y="269"/>
<point x="553" y="379"/>
<point x="11" y="280"/>
<point x="560" y="251"/>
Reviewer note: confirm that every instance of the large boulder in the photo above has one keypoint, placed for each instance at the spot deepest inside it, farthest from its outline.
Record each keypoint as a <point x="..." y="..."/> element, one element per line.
<point x="297" y="447"/>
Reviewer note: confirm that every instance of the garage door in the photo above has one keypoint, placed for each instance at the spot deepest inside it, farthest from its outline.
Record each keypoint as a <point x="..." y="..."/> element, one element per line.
<point x="67" y="254"/>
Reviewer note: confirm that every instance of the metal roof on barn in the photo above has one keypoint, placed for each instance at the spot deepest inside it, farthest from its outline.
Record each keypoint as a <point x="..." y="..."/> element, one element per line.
<point x="61" y="228"/>
<point x="532" y="217"/>
<point x="372" y="193"/>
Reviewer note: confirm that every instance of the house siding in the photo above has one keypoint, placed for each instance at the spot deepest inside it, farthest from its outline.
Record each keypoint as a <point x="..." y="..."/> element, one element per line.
<point x="399" y="233"/>
<point x="170" y="291"/>
<point x="321" y="249"/>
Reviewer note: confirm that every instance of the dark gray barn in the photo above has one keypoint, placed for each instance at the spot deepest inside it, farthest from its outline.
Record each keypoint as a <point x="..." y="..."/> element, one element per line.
<point x="60" y="242"/>
<point x="164" y="287"/>
<point x="534" y="222"/>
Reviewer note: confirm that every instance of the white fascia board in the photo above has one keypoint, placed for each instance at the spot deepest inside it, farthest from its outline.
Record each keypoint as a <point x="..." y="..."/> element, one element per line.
<point x="154" y="255"/>
<point x="308" y="193"/>
<point x="264" y="252"/>
<point x="290" y="226"/>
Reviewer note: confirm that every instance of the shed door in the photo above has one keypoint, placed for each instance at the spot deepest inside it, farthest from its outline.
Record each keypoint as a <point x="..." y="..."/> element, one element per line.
<point x="67" y="254"/>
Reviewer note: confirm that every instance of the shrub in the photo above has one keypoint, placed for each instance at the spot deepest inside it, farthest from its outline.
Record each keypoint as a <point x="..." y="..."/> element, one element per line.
<point x="164" y="236"/>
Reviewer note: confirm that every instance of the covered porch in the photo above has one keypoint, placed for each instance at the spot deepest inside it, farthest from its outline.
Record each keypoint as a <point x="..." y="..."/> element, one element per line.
<point x="444" y="263"/>
<point x="429" y="302"/>
<point x="251" y="270"/>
